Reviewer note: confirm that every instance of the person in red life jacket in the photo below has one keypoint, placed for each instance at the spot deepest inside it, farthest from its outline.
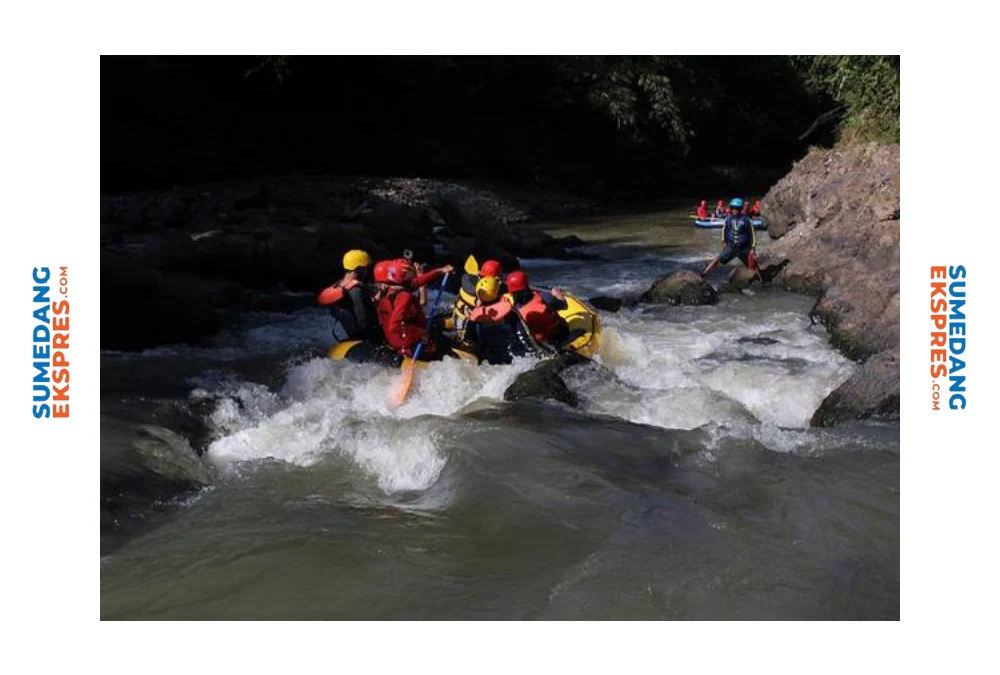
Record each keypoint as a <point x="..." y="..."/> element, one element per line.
<point x="466" y="298"/>
<point x="399" y="311"/>
<point x="539" y="309"/>
<point x="720" y="209"/>
<point x="494" y="329"/>
<point x="702" y="211"/>
<point x="755" y="208"/>
<point x="351" y="300"/>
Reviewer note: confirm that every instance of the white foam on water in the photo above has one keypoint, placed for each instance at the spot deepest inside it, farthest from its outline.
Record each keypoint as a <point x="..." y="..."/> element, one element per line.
<point x="686" y="368"/>
<point x="335" y="406"/>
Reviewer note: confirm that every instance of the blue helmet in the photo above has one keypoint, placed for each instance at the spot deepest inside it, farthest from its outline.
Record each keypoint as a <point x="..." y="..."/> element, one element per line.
<point x="737" y="203"/>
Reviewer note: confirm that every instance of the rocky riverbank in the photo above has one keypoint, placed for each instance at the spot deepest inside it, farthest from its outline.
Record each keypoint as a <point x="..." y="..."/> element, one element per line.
<point x="182" y="260"/>
<point x="835" y="222"/>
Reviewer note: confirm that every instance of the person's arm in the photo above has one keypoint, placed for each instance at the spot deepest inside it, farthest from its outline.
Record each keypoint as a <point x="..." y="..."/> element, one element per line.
<point x="330" y="295"/>
<point x="357" y="296"/>
<point x="753" y="234"/>
<point x="555" y="300"/>
<point x="428" y="277"/>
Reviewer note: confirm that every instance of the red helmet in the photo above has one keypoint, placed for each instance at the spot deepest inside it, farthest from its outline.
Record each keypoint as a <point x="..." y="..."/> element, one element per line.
<point x="491" y="268"/>
<point x="400" y="271"/>
<point x="381" y="271"/>
<point x="517" y="281"/>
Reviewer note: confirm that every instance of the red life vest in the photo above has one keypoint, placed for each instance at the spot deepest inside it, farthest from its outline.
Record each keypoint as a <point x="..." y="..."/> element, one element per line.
<point x="410" y="329"/>
<point x="541" y="321"/>
<point x="494" y="313"/>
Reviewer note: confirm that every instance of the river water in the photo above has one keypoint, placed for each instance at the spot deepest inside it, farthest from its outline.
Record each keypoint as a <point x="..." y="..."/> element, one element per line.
<point x="687" y="485"/>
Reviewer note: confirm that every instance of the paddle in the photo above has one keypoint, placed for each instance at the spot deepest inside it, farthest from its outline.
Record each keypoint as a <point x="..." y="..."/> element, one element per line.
<point x="472" y="265"/>
<point x="410" y="366"/>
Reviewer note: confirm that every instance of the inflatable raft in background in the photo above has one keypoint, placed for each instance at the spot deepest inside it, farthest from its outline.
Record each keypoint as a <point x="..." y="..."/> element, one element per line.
<point x="584" y="329"/>
<point x="758" y="223"/>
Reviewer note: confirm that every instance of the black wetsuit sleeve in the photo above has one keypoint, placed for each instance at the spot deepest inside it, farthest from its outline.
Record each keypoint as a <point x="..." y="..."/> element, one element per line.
<point x="359" y="308"/>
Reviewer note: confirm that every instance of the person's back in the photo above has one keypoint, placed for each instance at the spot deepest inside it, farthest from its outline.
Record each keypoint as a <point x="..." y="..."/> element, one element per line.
<point x="400" y="313"/>
<point x="539" y="309"/>
<point x="702" y="211"/>
<point x="350" y="301"/>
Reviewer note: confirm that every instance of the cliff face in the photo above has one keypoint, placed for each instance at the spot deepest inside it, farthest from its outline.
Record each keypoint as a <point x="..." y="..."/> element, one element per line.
<point x="835" y="218"/>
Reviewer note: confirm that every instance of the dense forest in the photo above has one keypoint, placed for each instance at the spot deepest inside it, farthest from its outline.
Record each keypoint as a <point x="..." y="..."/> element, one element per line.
<point x="609" y="127"/>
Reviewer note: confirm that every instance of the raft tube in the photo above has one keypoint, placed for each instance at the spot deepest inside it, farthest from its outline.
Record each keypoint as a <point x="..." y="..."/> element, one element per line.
<point x="359" y="351"/>
<point x="584" y="325"/>
<point x="758" y="223"/>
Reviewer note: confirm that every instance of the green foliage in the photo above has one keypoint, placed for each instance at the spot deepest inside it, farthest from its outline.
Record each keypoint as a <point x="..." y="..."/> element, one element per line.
<point x="865" y="87"/>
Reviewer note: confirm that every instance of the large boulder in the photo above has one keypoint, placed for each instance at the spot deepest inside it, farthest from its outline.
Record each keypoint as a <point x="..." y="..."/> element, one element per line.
<point x="739" y="279"/>
<point x="544" y="382"/>
<point x="836" y="220"/>
<point x="144" y="307"/>
<point x="871" y="392"/>
<point x="681" y="288"/>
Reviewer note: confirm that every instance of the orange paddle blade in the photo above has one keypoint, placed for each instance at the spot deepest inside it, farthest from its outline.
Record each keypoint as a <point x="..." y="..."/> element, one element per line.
<point x="409" y="368"/>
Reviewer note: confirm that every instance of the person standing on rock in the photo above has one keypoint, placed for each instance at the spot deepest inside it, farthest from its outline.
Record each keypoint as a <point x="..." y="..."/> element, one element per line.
<point x="351" y="300"/>
<point x="539" y="309"/>
<point x="738" y="240"/>
<point x="494" y="329"/>
<point x="399" y="311"/>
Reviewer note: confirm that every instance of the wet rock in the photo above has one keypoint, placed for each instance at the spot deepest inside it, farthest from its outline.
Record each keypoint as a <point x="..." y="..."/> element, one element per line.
<point x="838" y="245"/>
<point x="838" y="240"/>
<point x="543" y="381"/>
<point x="144" y="307"/>
<point x="606" y="304"/>
<point x="681" y="288"/>
<point x="871" y="392"/>
<point x="758" y="340"/>
<point x="404" y="226"/>
<point x="740" y="278"/>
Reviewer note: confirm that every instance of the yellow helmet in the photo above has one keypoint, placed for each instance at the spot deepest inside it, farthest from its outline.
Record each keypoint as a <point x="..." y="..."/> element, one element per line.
<point x="355" y="259"/>
<point x="488" y="289"/>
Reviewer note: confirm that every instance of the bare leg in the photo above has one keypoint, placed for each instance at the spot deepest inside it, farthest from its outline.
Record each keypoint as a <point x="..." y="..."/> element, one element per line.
<point x="711" y="266"/>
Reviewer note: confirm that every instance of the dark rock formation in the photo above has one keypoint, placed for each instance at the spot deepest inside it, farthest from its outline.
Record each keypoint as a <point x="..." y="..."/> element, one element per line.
<point x="681" y="288"/>
<point x="872" y="391"/>
<point x="835" y="218"/>
<point x="544" y="381"/>
<point x="606" y="304"/>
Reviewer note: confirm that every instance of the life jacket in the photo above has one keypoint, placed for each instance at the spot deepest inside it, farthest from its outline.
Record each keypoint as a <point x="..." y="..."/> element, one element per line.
<point x="702" y="212"/>
<point x="497" y="333"/>
<point x="345" y="324"/>
<point x="411" y="331"/>
<point x="465" y="301"/>
<point x="739" y="231"/>
<point x="544" y="324"/>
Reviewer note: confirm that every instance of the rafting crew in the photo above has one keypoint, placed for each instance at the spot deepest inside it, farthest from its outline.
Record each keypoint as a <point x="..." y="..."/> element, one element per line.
<point x="738" y="240"/>
<point x="399" y="310"/>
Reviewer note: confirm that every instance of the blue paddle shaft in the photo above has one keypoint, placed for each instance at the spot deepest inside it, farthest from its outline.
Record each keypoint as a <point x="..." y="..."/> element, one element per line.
<point x="430" y="318"/>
